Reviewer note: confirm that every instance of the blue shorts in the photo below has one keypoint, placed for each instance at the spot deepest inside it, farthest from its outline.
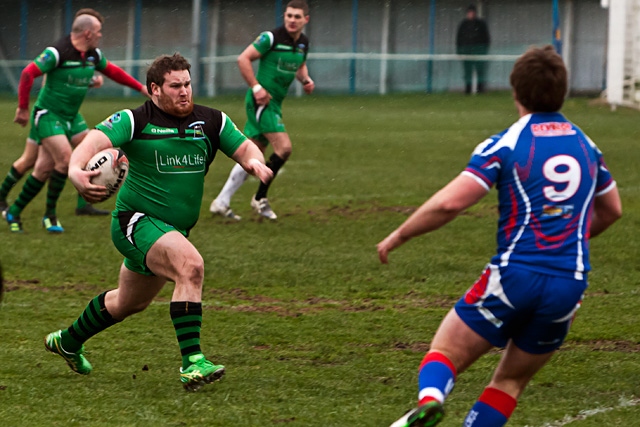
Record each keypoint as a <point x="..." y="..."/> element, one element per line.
<point x="532" y="309"/>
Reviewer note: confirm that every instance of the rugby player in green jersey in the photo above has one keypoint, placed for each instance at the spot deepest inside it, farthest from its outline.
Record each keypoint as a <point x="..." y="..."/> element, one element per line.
<point x="170" y="144"/>
<point x="56" y="124"/>
<point x="282" y="53"/>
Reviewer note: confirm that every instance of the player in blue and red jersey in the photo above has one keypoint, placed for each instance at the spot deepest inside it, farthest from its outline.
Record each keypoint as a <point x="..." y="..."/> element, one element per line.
<point x="555" y="193"/>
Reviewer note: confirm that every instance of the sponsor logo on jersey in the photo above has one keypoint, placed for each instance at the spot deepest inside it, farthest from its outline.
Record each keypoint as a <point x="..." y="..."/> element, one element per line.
<point x="180" y="163"/>
<point x="198" y="130"/>
<point x="262" y="38"/>
<point x="163" y="131"/>
<point x="82" y="82"/>
<point x="281" y="46"/>
<point x="288" y="66"/>
<point x="300" y="50"/>
<point x="108" y="123"/>
<point x="44" y="57"/>
<point x="552" y="129"/>
<point x="565" y="211"/>
<point x="72" y="64"/>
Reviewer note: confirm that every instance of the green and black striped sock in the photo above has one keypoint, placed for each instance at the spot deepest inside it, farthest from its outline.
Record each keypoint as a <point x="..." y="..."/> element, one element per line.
<point x="56" y="185"/>
<point x="94" y="319"/>
<point x="12" y="178"/>
<point x="187" y="320"/>
<point x="30" y="190"/>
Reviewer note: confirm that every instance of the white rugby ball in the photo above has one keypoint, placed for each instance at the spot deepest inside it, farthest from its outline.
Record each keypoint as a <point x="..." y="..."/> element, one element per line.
<point x="114" y="168"/>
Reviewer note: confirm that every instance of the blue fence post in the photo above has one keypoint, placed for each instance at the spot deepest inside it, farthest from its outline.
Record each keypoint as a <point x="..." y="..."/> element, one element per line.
<point x="68" y="16"/>
<point x="432" y="44"/>
<point x="204" y="31"/>
<point x="137" y="31"/>
<point x="279" y="13"/>
<point x="354" y="46"/>
<point x="557" y="33"/>
<point x="24" y="30"/>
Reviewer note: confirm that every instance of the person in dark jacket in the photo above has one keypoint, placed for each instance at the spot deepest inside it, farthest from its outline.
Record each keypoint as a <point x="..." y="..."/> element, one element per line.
<point x="473" y="39"/>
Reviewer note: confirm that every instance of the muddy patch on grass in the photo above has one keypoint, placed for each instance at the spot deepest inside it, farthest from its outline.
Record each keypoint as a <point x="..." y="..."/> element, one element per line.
<point x="242" y="301"/>
<point x="37" y="286"/>
<point x="616" y="346"/>
<point x="360" y="210"/>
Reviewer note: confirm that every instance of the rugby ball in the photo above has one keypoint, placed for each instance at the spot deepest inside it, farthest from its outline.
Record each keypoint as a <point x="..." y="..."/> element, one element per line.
<point x="114" y="168"/>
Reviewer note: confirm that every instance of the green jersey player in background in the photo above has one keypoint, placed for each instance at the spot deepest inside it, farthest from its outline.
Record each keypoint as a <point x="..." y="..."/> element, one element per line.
<point x="282" y="54"/>
<point x="170" y="144"/>
<point x="69" y="66"/>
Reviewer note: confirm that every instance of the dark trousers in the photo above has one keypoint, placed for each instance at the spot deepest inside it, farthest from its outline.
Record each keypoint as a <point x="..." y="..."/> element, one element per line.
<point x="481" y="71"/>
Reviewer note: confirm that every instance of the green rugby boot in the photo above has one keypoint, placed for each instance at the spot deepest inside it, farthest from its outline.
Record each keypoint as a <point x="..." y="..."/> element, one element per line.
<point x="199" y="373"/>
<point x="15" y="225"/>
<point x="52" y="225"/>
<point x="76" y="361"/>
<point x="427" y="415"/>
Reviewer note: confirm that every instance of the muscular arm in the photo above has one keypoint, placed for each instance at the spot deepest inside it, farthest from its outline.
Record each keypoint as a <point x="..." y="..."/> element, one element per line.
<point x="94" y="142"/>
<point x="303" y="77"/>
<point x="607" y="209"/>
<point x="245" y="59"/>
<point x="249" y="156"/>
<point x="461" y="193"/>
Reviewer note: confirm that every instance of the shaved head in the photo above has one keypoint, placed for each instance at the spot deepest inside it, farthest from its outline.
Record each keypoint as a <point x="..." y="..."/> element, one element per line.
<point x="92" y="12"/>
<point x="83" y="23"/>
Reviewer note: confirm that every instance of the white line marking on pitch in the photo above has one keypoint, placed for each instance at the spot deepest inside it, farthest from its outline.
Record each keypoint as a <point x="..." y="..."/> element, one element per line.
<point x="584" y="414"/>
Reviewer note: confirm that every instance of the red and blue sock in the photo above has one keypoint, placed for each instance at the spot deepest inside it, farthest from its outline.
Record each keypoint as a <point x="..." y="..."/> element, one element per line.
<point x="492" y="409"/>
<point x="436" y="378"/>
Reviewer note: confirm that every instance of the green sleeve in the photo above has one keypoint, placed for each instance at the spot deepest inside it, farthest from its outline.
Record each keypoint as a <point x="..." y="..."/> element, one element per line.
<point x="263" y="42"/>
<point x="47" y="60"/>
<point x="118" y="127"/>
<point x="230" y="137"/>
<point x="102" y="61"/>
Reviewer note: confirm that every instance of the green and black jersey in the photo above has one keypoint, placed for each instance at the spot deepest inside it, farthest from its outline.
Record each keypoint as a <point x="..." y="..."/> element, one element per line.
<point x="281" y="58"/>
<point x="169" y="158"/>
<point x="68" y="76"/>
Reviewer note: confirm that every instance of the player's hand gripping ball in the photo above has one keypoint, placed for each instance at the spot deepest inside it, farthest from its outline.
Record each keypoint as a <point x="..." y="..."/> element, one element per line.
<point x="113" y="166"/>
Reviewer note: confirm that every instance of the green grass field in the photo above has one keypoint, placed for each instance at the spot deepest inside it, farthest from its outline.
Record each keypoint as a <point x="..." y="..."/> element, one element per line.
<point x="313" y="330"/>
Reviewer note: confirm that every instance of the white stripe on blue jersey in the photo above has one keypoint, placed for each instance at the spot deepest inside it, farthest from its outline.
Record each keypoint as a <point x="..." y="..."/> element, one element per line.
<point x="546" y="171"/>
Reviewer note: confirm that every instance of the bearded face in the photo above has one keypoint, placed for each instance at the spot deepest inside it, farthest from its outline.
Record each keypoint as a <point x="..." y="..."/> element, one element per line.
<point x="175" y="96"/>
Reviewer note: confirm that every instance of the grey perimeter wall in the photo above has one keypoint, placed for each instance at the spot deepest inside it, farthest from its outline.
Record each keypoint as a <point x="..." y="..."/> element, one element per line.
<point x="166" y="26"/>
